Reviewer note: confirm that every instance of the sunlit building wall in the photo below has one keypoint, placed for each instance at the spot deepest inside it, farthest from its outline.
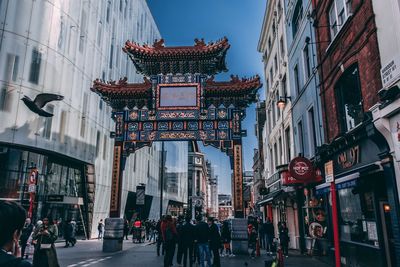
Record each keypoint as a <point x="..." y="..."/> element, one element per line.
<point x="60" y="47"/>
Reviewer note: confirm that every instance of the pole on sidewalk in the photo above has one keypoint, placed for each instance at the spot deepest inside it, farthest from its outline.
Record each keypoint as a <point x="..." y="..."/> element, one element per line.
<point x="335" y="221"/>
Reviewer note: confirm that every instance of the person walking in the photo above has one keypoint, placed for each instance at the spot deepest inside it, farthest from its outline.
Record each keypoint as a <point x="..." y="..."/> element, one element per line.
<point x="25" y="234"/>
<point x="253" y="242"/>
<point x="159" y="237"/>
<point x="169" y="234"/>
<point x="12" y="219"/>
<point x="202" y="238"/>
<point x="284" y="238"/>
<point x="179" y="254"/>
<point x="126" y="229"/>
<point x="45" y="254"/>
<point x="100" y="228"/>
<point x="270" y="235"/>
<point x="261" y="234"/>
<point x="188" y="237"/>
<point x="226" y="239"/>
<point x="68" y="232"/>
<point x="215" y="241"/>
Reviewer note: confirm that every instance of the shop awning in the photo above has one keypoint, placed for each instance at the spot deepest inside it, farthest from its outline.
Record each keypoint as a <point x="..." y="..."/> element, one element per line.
<point x="268" y="198"/>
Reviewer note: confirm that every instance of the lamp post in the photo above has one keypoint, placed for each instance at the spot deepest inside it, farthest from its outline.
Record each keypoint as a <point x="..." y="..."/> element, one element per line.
<point x="282" y="101"/>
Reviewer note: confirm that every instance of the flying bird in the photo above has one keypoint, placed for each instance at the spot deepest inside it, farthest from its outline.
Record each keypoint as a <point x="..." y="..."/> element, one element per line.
<point x="40" y="101"/>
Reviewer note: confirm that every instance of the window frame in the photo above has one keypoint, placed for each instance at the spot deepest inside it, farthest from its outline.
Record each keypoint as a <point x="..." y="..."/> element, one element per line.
<point x="337" y="25"/>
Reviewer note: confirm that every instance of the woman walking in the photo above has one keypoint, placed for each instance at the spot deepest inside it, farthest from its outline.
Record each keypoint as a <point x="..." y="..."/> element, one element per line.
<point x="284" y="238"/>
<point x="44" y="237"/>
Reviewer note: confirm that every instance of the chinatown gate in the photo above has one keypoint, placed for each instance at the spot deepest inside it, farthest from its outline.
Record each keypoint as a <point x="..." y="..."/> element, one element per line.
<point x="179" y="100"/>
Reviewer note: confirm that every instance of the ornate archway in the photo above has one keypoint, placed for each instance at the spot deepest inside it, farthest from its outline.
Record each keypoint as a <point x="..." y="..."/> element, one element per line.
<point x="178" y="100"/>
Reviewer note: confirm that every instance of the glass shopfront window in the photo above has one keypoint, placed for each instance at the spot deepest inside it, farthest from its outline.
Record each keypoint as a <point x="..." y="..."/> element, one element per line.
<point x="357" y="217"/>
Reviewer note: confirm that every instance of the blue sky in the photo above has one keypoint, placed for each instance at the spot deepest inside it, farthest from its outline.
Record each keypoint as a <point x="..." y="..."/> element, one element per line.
<point x="181" y="21"/>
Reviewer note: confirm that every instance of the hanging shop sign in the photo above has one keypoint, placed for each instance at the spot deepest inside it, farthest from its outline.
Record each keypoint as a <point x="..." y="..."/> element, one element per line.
<point x="287" y="179"/>
<point x="329" y="171"/>
<point x="301" y="169"/>
<point x="238" y="176"/>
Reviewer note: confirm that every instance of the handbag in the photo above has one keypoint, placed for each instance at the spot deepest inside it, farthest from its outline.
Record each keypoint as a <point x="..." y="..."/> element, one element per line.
<point x="42" y="245"/>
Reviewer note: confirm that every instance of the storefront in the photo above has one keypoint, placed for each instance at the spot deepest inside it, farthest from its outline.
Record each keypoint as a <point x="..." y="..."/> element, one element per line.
<point x="364" y="186"/>
<point x="56" y="191"/>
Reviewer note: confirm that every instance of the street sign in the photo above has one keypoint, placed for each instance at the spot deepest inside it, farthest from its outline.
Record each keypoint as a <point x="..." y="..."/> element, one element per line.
<point x="329" y="172"/>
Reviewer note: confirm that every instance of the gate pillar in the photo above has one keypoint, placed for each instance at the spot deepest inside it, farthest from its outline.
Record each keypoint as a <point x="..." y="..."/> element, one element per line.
<point x="238" y="179"/>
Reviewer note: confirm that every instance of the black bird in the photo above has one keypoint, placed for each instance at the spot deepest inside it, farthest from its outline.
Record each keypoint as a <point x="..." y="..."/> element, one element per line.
<point x="40" y="101"/>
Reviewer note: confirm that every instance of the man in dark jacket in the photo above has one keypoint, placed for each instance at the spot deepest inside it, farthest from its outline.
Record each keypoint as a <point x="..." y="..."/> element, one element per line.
<point x="215" y="241"/>
<point x="12" y="219"/>
<point x="187" y="236"/>
<point x="202" y="238"/>
<point x="270" y="235"/>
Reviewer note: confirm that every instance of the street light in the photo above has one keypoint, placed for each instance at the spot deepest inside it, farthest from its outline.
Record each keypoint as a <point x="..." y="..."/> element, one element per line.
<point x="282" y="101"/>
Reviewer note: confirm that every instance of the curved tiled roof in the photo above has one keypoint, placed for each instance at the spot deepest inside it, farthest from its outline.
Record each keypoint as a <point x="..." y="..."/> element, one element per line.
<point x="159" y="59"/>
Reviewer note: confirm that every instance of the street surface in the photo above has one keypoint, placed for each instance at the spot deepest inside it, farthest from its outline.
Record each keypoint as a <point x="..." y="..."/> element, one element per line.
<point x="89" y="253"/>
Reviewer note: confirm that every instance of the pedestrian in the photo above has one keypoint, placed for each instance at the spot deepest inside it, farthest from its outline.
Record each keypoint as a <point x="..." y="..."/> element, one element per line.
<point x="169" y="234"/>
<point x="160" y="237"/>
<point x="202" y="238"/>
<point x="100" y="228"/>
<point x="68" y="229"/>
<point x="188" y="237"/>
<point x="270" y="235"/>
<point x="179" y="254"/>
<point x="253" y="242"/>
<point x="284" y="238"/>
<point x="26" y="233"/>
<point x="226" y="239"/>
<point x="215" y="241"/>
<point x="126" y="229"/>
<point x="12" y="219"/>
<point x="45" y="254"/>
<point x="261" y="234"/>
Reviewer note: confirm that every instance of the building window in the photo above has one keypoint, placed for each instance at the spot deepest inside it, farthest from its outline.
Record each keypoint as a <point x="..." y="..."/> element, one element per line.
<point x="97" y="143"/>
<point x="297" y="15"/>
<point x="296" y="79"/>
<point x="266" y="85"/>
<point x="111" y="56"/>
<point x="11" y="70"/>
<point x="269" y="121"/>
<point x="104" y="146"/>
<point x="338" y="13"/>
<point x="84" y="110"/>
<point x="273" y="113"/>
<point x="275" y="156"/>
<point x="276" y="63"/>
<point x="279" y="7"/>
<point x="287" y="143"/>
<point x="48" y="123"/>
<point x="311" y="126"/>
<point x="269" y="43"/>
<point x="108" y="11"/>
<point x="63" y="122"/>
<point x="306" y="62"/>
<point x="284" y="85"/>
<point x="348" y="91"/>
<point x="82" y="31"/>
<point x="99" y="31"/>
<point x="282" y="45"/>
<point x="271" y="162"/>
<point x="271" y="74"/>
<point x="300" y="137"/>
<point x="35" y="66"/>
<point x="280" y="150"/>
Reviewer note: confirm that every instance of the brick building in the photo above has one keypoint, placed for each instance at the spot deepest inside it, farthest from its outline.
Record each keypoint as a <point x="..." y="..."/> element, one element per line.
<point x="349" y="70"/>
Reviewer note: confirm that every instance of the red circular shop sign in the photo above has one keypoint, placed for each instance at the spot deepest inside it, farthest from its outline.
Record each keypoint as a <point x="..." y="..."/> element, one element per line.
<point x="301" y="169"/>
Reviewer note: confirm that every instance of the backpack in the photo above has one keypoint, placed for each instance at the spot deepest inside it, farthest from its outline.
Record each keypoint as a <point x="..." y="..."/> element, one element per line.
<point x="169" y="235"/>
